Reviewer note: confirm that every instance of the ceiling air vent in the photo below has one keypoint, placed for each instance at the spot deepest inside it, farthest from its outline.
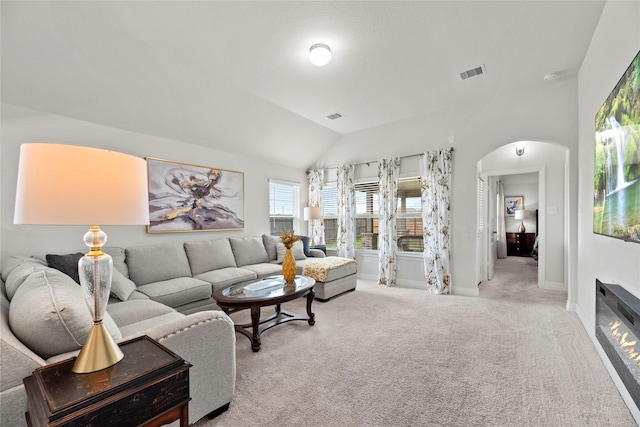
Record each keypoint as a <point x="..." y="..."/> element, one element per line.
<point x="473" y="72"/>
<point x="334" y="116"/>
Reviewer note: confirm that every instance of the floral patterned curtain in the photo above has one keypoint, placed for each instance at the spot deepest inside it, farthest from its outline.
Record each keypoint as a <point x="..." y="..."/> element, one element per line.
<point x="316" y="179"/>
<point x="388" y="170"/>
<point x="435" y="179"/>
<point x="346" y="238"/>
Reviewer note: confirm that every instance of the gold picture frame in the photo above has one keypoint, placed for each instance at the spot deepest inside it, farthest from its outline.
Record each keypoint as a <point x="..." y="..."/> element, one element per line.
<point x="185" y="197"/>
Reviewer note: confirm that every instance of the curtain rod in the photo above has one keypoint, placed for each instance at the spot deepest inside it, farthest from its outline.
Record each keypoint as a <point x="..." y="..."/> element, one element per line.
<point x="376" y="161"/>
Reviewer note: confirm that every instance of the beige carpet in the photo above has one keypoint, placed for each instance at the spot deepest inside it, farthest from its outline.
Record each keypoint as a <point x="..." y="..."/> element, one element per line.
<point x="383" y="356"/>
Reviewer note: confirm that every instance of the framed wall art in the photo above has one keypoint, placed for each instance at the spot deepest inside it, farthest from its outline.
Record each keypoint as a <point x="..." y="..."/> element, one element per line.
<point x="185" y="197"/>
<point x="512" y="204"/>
<point x="616" y="200"/>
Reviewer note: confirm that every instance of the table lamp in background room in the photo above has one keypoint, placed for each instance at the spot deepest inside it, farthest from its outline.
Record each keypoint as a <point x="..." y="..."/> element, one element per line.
<point x="73" y="185"/>
<point x="311" y="214"/>
<point x="521" y="215"/>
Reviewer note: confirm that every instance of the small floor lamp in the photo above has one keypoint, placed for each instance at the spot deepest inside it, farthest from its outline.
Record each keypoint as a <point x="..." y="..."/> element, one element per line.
<point x="312" y="214"/>
<point x="72" y="185"/>
<point x="520" y="215"/>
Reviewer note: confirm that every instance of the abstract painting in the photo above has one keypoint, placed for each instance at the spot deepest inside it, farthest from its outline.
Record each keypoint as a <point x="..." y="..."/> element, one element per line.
<point x="185" y="197"/>
<point x="512" y="204"/>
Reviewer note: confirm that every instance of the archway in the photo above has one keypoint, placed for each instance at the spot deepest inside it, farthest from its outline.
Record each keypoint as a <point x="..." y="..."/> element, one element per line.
<point x="551" y="162"/>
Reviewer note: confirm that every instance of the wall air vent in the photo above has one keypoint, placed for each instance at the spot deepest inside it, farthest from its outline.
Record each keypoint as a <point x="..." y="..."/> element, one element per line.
<point x="473" y="72"/>
<point x="334" y="116"/>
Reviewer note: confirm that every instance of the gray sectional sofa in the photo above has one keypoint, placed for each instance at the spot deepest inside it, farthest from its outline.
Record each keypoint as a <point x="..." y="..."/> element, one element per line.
<point x="163" y="291"/>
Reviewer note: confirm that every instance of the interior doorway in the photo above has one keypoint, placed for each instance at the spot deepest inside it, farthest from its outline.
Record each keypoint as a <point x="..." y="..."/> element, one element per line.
<point x="541" y="164"/>
<point x="502" y="226"/>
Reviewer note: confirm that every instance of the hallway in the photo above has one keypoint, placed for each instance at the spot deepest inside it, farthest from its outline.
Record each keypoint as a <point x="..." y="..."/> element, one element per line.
<point x="516" y="278"/>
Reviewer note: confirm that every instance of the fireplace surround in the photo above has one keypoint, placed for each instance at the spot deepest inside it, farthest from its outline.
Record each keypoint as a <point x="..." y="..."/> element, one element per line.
<point x="618" y="331"/>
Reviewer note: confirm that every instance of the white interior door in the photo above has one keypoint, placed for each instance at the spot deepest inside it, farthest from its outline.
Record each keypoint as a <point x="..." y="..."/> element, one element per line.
<point x="481" y="274"/>
<point x="491" y="206"/>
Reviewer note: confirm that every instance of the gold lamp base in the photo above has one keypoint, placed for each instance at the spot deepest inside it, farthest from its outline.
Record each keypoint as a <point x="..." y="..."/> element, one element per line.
<point x="99" y="351"/>
<point x="521" y="229"/>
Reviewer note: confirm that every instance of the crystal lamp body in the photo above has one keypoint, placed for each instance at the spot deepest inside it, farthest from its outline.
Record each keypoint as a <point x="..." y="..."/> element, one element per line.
<point x="95" y="270"/>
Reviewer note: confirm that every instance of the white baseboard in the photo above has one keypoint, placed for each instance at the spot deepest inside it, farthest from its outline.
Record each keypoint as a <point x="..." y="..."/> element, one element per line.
<point x="369" y="277"/>
<point x="583" y="319"/>
<point x="413" y="284"/>
<point x="554" y="286"/>
<point x="467" y="292"/>
<point x="401" y="283"/>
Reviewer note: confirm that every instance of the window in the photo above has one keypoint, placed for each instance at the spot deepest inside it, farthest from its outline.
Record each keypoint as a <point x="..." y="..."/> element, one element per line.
<point x="408" y="219"/>
<point x="367" y="211"/>
<point x="284" y="207"/>
<point x="330" y="214"/>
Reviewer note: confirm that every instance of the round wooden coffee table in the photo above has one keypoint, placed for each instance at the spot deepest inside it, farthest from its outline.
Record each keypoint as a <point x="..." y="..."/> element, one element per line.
<point x="270" y="291"/>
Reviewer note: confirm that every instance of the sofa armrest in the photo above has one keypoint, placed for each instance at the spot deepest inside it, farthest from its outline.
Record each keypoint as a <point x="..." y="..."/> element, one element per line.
<point x="207" y="340"/>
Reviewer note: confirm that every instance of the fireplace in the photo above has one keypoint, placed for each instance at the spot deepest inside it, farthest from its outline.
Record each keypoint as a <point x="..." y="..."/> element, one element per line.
<point x="618" y="331"/>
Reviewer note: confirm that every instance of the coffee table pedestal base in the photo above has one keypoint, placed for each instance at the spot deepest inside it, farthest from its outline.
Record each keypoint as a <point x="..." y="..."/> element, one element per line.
<point x="258" y="326"/>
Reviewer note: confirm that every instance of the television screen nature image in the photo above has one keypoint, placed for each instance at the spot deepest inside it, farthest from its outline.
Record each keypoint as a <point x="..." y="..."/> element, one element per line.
<point x="616" y="208"/>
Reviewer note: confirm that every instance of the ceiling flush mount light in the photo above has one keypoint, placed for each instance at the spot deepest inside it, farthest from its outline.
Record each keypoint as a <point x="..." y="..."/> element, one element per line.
<point x="319" y="54"/>
<point x="520" y="148"/>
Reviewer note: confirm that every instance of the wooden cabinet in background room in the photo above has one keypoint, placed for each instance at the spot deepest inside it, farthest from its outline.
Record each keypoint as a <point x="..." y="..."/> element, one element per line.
<point x="520" y="244"/>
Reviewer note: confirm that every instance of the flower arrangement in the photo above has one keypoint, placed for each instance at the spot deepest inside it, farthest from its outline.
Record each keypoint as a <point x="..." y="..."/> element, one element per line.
<point x="288" y="238"/>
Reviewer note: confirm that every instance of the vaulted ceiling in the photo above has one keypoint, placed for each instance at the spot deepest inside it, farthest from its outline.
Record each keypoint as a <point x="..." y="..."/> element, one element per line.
<point x="235" y="75"/>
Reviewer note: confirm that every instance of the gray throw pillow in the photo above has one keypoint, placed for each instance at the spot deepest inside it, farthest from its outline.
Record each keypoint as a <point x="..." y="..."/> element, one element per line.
<point x="296" y="250"/>
<point x="11" y="262"/>
<point x="18" y="275"/>
<point x="270" y="244"/>
<point x="48" y="313"/>
<point x="68" y="264"/>
<point x="121" y="287"/>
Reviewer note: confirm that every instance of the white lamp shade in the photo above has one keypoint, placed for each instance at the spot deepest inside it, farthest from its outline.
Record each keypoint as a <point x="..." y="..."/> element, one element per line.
<point x="312" y="213"/>
<point x="319" y="54"/>
<point x="73" y="185"/>
<point x="520" y="214"/>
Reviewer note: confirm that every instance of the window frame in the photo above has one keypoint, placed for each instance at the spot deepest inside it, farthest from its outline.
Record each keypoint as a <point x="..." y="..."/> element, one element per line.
<point x="295" y="206"/>
<point x="330" y="242"/>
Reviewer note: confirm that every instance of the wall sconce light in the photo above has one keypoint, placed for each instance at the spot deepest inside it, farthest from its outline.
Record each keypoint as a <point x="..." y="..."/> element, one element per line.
<point x="319" y="54"/>
<point x="520" y="148"/>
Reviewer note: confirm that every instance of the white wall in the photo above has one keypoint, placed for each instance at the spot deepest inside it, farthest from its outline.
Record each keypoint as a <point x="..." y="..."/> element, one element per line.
<point x="615" y="42"/>
<point x="546" y="111"/>
<point x="610" y="260"/>
<point x="21" y="125"/>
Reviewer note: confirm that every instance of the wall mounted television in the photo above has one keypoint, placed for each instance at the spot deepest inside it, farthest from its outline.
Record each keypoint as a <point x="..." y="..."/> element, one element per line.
<point x="616" y="205"/>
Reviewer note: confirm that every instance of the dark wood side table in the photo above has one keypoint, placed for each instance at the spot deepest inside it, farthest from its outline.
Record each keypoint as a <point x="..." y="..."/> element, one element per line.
<point x="148" y="387"/>
<point x="520" y="244"/>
